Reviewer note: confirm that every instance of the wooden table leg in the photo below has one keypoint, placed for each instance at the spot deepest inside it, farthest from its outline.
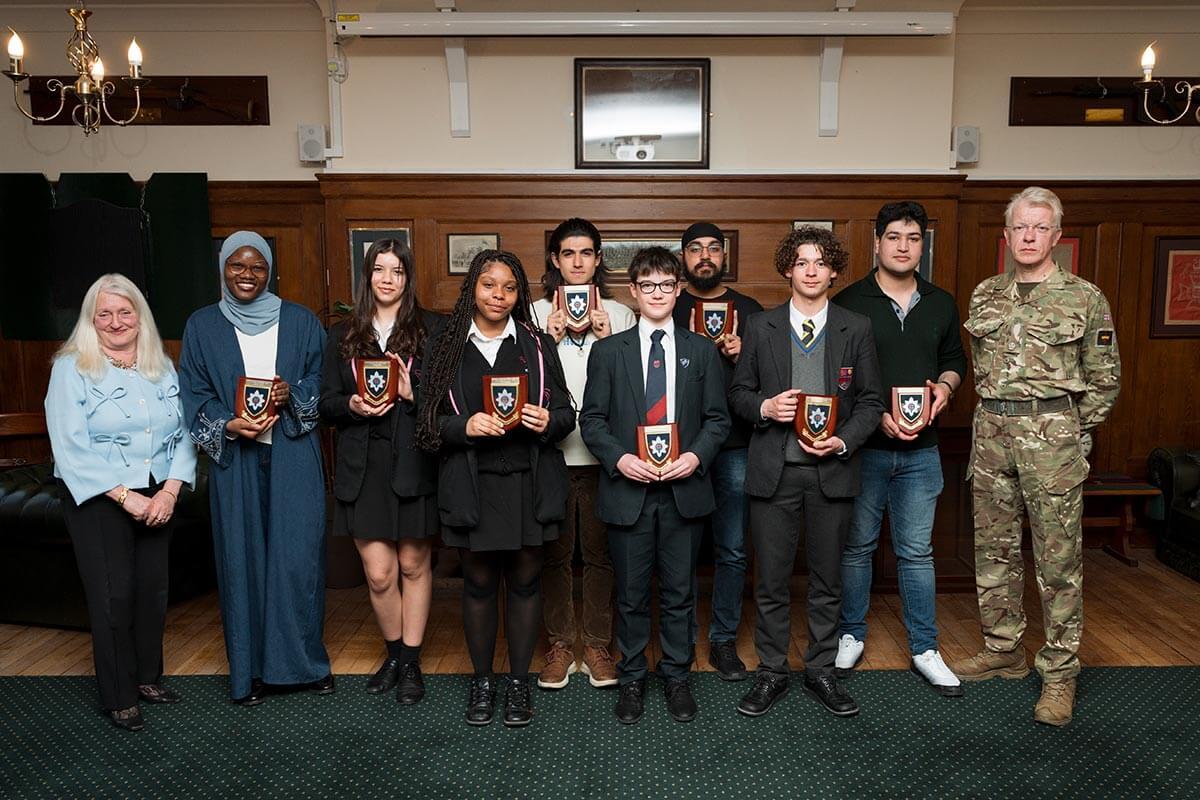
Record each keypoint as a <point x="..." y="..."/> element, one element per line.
<point x="1119" y="547"/>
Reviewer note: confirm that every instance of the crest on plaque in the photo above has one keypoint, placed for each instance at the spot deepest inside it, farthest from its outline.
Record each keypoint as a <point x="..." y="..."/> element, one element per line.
<point x="504" y="395"/>
<point x="712" y="319"/>
<point x="816" y="417"/>
<point x="658" y="445"/>
<point x="377" y="379"/>
<point x="577" y="303"/>
<point x="254" y="399"/>
<point x="911" y="407"/>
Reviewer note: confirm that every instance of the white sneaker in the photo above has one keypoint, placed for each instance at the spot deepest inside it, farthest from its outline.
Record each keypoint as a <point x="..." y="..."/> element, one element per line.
<point x="849" y="653"/>
<point x="930" y="666"/>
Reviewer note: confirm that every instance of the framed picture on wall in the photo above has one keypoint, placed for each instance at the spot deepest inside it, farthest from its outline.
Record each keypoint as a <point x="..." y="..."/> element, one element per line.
<point x="825" y="224"/>
<point x="361" y="240"/>
<point x="1175" y="309"/>
<point x="273" y="284"/>
<point x="621" y="246"/>
<point x="461" y="248"/>
<point x="642" y="114"/>
<point x="1066" y="255"/>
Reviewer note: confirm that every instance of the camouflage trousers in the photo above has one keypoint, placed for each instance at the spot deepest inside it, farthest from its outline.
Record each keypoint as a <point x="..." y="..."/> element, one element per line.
<point x="1033" y="464"/>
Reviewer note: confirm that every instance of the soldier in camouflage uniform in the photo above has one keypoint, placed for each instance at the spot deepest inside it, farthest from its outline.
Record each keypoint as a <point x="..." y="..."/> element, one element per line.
<point x="1047" y="372"/>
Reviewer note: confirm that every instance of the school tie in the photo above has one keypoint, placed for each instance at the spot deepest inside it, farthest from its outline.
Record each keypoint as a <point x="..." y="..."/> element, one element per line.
<point x="656" y="381"/>
<point x="808" y="332"/>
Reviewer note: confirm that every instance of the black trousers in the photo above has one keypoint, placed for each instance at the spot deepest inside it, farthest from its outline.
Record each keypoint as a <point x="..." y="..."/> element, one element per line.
<point x="123" y="564"/>
<point x="775" y="531"/>
<point x="661" y="537"/>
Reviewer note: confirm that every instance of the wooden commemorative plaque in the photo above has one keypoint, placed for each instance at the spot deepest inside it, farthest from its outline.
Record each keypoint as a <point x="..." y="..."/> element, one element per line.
<point x="910" y="407"/>
<point x="378" y="380"/>
<point x="816" y="417"/>
<point x="577" y="303"/>
<point x="504" y="396"/>
<point x="713" y="319"/>
<point x="658" y="445"/>
<point x="254" y="399"/>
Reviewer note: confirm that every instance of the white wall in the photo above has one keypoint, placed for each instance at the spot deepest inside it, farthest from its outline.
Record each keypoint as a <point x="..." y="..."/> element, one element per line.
<point x="994" y="46"/>
<point x="899" y="97"/>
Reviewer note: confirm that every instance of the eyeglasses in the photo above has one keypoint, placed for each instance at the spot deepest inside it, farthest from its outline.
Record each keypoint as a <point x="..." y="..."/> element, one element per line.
<point x="1039" y="230"/>
<point x="238" y="268"/>
<point x="714" y="249"/>
<point x="648" y="287"/>
<point x="105" y="318"/>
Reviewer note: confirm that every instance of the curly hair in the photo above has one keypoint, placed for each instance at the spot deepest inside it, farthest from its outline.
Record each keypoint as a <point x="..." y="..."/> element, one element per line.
<point x="445" y="351"/>
<point x="831" y="248"/>
<point x="408" y="333"/>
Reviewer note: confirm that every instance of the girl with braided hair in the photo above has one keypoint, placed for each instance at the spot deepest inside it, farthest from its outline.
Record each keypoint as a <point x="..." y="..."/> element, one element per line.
<point x="501" y="494"/>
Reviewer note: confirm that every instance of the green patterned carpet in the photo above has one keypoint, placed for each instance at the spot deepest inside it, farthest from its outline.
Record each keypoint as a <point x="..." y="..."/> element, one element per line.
<point x="1136" y="734"/>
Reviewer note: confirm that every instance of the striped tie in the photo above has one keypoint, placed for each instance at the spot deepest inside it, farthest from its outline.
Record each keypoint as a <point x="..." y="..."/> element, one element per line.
<point x="808" y="332"/>
<point x="656" y="381"/>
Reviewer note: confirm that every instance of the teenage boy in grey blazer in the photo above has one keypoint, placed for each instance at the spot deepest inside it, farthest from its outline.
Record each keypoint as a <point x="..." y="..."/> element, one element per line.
<point x="805" y="346"/>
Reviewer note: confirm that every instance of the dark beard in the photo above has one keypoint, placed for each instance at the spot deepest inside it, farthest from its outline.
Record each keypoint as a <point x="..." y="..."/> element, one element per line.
<point x="705" y="284"/>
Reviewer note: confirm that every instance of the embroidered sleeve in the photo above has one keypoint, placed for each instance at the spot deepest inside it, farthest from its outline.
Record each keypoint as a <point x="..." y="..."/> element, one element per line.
<point x="299" y="416"/>
<point x="209" y="436"/>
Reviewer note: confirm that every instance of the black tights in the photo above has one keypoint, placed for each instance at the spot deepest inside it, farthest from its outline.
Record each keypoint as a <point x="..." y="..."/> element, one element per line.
<point x="522" y="572"/>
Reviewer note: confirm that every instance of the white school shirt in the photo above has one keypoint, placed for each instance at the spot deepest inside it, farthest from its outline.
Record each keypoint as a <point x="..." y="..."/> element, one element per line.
<point x="645" y="328"/>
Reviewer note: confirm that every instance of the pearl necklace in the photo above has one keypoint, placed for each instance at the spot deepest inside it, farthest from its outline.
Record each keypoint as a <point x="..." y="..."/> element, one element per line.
<point x="119" y="364"/>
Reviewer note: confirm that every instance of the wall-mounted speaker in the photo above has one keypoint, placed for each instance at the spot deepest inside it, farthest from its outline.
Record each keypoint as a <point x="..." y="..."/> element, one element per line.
<point x="312" y="141"/>
<point x="965" y="144"/>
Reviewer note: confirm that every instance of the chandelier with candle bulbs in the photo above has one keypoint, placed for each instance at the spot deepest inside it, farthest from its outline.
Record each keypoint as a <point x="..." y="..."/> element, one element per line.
<point x="89" y="88"/>
<point x="1147" y="84"/>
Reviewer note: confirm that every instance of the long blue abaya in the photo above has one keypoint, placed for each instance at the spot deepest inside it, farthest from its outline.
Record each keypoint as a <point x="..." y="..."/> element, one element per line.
<point x="268" y="520"/>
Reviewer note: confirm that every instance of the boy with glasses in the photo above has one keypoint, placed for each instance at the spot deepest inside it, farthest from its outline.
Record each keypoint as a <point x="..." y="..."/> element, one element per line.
<point x="704" y="268"/>
<point x="655" y="373"/>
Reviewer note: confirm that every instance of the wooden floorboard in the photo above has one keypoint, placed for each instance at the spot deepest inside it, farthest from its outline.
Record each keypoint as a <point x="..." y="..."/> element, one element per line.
<point x="1143" y="616"/>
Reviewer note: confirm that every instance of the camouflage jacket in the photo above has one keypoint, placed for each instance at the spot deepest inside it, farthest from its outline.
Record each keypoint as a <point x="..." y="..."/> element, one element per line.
<point x="1058" y="340"/>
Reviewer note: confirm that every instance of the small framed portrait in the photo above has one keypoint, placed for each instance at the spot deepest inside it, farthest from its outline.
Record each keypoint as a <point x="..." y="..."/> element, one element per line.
<point x="361" y="240"/>
<point x="621" y="246"/>
<point x="1065" y="253"/>
<point x="461" y="248"/>
<point x="641" y="114"/>
<point x="826" y="224"/>
<point x="1175" y="308"/>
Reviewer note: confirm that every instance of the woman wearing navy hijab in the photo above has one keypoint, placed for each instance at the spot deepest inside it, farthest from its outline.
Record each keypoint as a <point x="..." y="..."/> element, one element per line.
<point x="265" y="482"/>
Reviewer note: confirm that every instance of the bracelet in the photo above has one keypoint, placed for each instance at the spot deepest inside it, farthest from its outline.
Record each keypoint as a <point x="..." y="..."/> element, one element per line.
<point x="174" y="496"/>
<point x="947" y="385"/>
<point x="122" y="496"/>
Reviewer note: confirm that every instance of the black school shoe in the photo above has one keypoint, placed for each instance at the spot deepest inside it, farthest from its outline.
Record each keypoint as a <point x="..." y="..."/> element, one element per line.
<point x="157" y="693"/>
<point x="724" y="658"/>
<point x="767" y="690"/>
<point x="385" y="679"/>
<point x="481" y="700"/>
<point x="323" y="686"/>
<point x="630" y="703"/>
<point x="258" y="693"/>
<point x="518" y="702"/>
<point x="680" y="703"/>
<point x="411" y="687"/>
<point x="829" y="693"/>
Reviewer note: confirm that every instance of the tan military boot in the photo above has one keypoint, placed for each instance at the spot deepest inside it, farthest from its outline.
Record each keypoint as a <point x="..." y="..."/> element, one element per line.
<point x="1057" y="702"/>
<point x="989" y="664"/>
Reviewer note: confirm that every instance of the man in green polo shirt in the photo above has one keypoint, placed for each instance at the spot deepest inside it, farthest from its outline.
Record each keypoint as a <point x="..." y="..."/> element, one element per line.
<point x="916" y="334"/>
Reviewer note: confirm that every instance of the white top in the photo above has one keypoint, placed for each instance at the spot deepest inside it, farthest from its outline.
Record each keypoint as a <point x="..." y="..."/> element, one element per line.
<point x="258" y="358"/>
<point x="797" y="319"/>
<point x="490" y="347"/>
<point x="574" y="357"/>
<point x="645" y="328"/>
<point x="382" y="334"/>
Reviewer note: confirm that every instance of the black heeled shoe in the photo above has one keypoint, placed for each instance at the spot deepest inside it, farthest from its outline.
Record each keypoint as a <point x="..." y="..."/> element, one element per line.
<point x="157" y="693"/>
<point x="385" y="679"/>
<point x="258" y="693"/>
<point x="128" y="719"/>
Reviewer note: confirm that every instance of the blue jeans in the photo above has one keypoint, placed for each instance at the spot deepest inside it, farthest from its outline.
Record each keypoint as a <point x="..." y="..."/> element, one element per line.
<point x="728" y="472"/>
<point x="907" y="484"/>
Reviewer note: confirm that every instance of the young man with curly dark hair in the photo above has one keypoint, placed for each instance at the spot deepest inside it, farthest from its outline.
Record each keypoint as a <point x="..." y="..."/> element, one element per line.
<point x="805" y="346"/>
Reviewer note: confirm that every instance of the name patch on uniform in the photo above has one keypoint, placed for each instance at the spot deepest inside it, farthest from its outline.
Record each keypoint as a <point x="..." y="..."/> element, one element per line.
<point x="1104" y="338"/>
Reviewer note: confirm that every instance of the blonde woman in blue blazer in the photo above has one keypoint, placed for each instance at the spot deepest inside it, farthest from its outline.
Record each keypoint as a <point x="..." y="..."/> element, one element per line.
<point x="122" y="451"/>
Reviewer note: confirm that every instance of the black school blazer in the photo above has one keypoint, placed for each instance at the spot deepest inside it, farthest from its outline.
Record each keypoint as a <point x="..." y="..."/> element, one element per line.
<point x="458" y="470"/>
<point x="764" y="369"/>
<point x="614" y="404"/>
<point x="414" y="472"/>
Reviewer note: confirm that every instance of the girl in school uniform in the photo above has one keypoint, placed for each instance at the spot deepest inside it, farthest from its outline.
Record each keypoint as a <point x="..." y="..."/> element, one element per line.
<point x="502" y="494"/>
<point x="383" y="485"/>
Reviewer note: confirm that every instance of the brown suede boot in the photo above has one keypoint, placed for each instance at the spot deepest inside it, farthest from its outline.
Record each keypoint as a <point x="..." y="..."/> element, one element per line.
<point x="1056" y="704"/>
<point x="988" y="664"/>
